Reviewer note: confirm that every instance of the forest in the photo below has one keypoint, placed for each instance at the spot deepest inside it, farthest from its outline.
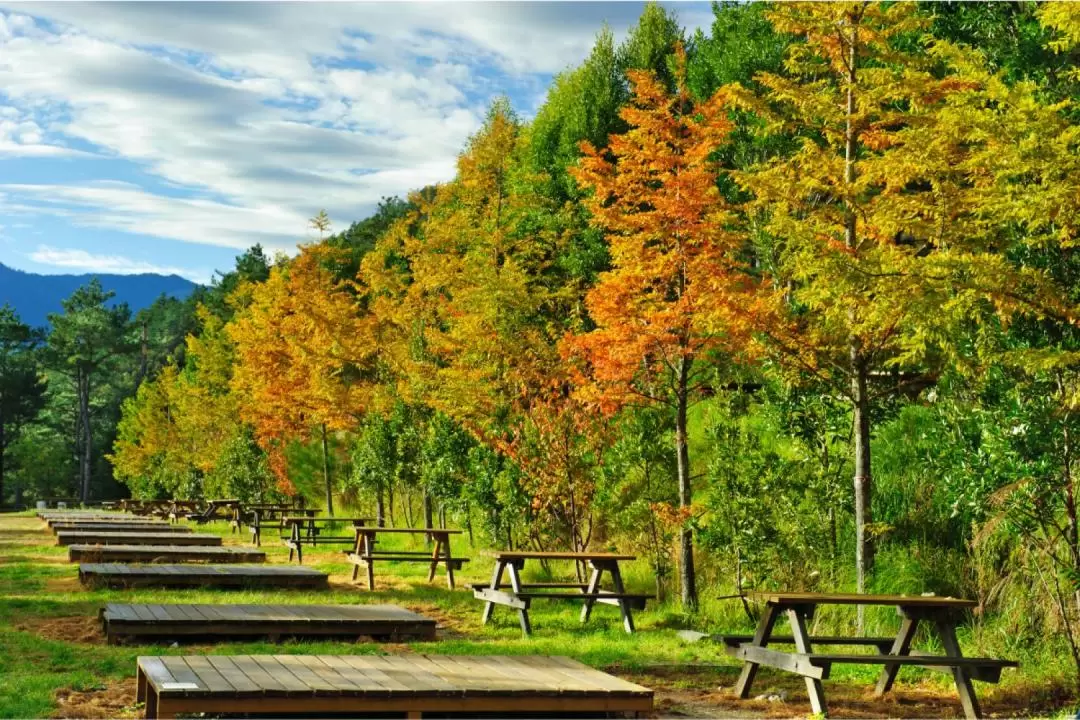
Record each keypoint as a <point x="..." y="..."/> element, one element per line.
<point x="790" y="303"/>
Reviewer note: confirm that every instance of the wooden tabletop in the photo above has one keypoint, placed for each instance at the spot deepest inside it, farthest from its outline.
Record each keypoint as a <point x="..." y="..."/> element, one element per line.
<point x="537" y="555"/>
<point x="376" y="529"/>
<point x="783" y="598"/>
<point x="295" y="519"/>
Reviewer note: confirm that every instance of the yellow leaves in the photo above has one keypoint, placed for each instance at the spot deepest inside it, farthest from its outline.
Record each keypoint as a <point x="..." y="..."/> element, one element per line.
<point x="1063" y="17"/>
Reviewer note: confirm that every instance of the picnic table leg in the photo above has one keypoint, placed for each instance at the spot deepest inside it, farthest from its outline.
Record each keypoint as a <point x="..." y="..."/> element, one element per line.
<point x="496" y="580"/>
<point x="797" y="618"/>
<point x="449" y="559"/>
<point x="434" y="557"/>
<point x="901" y="646"/>
<point x="294" y="541"/>
<point x="946" y="629"/>
<point x="369" y="542"/>
<point x="624" y="603"/>
<point x="357" y="545"/>
<point x="761" y="639"/>
<point x="515" y="582"/>
<point x="592" y="588"/>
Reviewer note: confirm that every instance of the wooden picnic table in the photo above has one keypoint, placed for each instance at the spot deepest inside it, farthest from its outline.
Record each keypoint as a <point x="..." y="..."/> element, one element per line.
<point x="943" y="613"/>
<point x="256" y="517"/>
<point x="214" y="510"/>
<point x="306" y="530"/>
<point x="520" y="594"/>
<point x="365" y="554"/>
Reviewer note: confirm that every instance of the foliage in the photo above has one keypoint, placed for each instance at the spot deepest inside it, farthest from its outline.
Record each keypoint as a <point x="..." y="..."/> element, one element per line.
<point x="22" y="385"/>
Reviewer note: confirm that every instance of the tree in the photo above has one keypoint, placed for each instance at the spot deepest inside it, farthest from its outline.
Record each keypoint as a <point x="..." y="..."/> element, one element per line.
<point x="85" y="336"/>
<point x="22" y="386"/>
<point x="676" y="287"/>
<point x="304" y="355"/>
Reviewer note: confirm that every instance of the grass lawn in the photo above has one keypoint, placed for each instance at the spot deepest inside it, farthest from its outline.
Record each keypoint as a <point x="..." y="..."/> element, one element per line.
<point x="54" y="661"/>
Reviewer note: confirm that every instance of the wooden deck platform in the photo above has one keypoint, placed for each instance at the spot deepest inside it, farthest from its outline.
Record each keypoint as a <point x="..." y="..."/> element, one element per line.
<point x="162" y="553"/>
<point x="385" y="623"/>
<point x="135" y="537"/>
<point x="119" y="575"/>
<point x="122" y="520"/>
<point x="120" y="527"/>
<point x="412" y="684"/>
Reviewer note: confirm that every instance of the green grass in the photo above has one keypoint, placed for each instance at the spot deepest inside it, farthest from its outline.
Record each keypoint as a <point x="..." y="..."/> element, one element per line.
<point x="38" y="586"/>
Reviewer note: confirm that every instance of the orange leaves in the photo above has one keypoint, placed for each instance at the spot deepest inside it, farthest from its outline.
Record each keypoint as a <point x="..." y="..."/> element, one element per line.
<point x="677" y="286"/>
<point x="303" y="352"/>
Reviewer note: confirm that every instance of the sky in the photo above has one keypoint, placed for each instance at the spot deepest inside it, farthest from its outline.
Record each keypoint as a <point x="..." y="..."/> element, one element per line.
<point x="170" y="136"/>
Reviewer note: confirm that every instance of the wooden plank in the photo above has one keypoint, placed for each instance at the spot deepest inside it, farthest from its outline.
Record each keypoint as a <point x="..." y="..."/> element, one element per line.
<point x="535" y="555"/>
<point x="137" y="537"/>
<point x="791" y="662"/>
<point x="162" y="553"/>
<point x="861" y="599"/>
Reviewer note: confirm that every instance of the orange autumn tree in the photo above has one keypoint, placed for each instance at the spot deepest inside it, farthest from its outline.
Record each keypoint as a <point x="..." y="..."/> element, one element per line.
<point x="470" y="313"/>
<point x="304" y="354"/>
<point x="677" y="291"/>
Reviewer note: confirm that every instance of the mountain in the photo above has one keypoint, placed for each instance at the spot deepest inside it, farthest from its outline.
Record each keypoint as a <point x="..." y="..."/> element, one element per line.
<point x="35" y="296"/>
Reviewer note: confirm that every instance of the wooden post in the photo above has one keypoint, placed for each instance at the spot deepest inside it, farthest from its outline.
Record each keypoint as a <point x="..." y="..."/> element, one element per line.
<point x="591" y="589"/>
<point x="946" y="628"/>
<point x="515" y="582"/>
<point x="761" y="639"/>
<point x="901" y="646"/>
<point x="624" y="603"/>
<point x="496" y="582"/>
<point x="797" y="618"/>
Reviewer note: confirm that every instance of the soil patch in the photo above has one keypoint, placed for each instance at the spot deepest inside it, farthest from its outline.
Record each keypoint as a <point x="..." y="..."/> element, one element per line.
<point x="63" y="584"/>
<point x="76" y="629"/>
<point x="709" y="695"/>
<point x="447" y="626"/>
<point x="114" y="699"/>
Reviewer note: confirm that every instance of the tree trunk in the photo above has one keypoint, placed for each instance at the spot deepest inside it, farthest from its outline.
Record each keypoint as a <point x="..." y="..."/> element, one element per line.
<point x="380" y="508"/>
<point x="84" y="418"/>
<point x="864" y="547"/>
<point x="429" y="514"/>
<point x="682" y="453"/>
<point x="326" y="474"/>
<point x="864" y="551"/>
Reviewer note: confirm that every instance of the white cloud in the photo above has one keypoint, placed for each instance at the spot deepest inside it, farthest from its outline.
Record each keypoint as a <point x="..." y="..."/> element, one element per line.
<point x="260" y="114"/>
<point x="111" y="264"/>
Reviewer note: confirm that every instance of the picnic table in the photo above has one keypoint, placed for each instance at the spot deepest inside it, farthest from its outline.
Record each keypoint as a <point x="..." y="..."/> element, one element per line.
<point x="308" y="530"/>
<point x="365" y="554"/>
<point x="214" y="510"/>
<point x="181" y="508"/>
<point x="256" y="517"/>
<point x="520" y="594"/>
<point x="943" y="613"/>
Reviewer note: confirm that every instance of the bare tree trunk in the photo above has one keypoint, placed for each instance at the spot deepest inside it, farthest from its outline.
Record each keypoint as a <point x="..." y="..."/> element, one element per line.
<point x="682" y="453"/>
<point x="2" y="459"/>
<point x="87" y="449"/>
<point x="864" y="551"/>
<point x="380" y="508"/>
<point x="429" y="514"/>
<point x="326" y="474"/>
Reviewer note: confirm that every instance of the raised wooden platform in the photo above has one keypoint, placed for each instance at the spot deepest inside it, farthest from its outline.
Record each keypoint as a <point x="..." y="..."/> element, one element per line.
<point x="216" y="622"/>
<point x="120" y="527"/>
<point x="135" y="537"/>
<point x="122" y="520"/>
<point x="163" y="553"/>
<point x="307" y="685"/>
<point x="118" y="575"/>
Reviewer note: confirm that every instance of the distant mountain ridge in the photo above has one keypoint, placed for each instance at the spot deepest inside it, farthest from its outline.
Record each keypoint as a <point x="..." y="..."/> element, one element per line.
<point x="34" y="296"/>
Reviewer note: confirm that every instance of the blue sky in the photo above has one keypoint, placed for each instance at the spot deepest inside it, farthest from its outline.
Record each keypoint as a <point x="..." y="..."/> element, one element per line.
<point x="168" y="137"/>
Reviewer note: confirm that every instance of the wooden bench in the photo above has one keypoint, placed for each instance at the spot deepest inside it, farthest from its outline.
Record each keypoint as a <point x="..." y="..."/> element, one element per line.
<point x="150" y="623"/>
<point x="409" y="685"/>
<point x="365" y="554"/>
<point x="243" y="577"/>
<point x="306" y="530"/>
<point x="520" y="595"/>
<point x="941" y="613"/>
<point x="91" y="537"/>
<point x="162" y="553"/>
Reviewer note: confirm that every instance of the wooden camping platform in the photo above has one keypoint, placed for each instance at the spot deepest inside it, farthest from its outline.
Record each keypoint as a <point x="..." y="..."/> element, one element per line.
<point x="120" y="575"/>
<point x="135" y="537"/>
<point x="309" y="685"/>
<point x="163" y="553"/>
<point x="133" y="522"/>
<point x="173" y="622"/>
<point x="155" y="528"/>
